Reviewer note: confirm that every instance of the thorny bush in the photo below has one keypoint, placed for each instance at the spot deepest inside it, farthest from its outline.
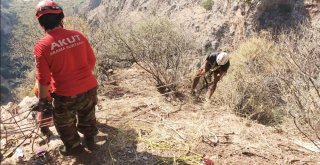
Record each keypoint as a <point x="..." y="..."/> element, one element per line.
<point x="300" y="75"/>
<point x="156" y="45"/>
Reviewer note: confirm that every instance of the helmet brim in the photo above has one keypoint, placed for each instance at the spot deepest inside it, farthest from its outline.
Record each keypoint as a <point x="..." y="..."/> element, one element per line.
<point x="38" y="15"/>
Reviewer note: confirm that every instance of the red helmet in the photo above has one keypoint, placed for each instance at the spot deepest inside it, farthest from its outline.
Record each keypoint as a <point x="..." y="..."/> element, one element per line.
<point x="46" y="7"/>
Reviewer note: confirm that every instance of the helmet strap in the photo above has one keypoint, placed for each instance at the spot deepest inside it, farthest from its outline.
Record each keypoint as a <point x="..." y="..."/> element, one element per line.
<point x="61" y="23"/>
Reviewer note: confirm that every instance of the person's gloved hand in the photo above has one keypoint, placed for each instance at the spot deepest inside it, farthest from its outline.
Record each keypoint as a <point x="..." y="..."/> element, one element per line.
<point x="44" y="115"/>
<point x="43" y="105"/>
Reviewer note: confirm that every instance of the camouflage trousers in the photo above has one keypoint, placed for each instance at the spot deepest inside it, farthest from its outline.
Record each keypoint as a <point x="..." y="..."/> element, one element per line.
<point x="73" y="114"/>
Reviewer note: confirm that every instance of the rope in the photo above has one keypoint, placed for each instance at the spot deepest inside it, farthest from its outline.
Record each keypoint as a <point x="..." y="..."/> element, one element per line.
<point x="2" y="122"/>
<point x="23" y="128"/>
<point x="173" y="83"/>
<point x="11" y="153"/>
<point x="209" y="73"/>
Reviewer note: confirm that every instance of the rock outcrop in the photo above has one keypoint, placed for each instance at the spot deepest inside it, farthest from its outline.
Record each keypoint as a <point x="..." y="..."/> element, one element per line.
<point x="225" y="25"/>
<point x="88" y="6"/>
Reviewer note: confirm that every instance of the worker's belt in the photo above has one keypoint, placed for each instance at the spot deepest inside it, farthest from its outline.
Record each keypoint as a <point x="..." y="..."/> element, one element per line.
<point x="81" y="95"/>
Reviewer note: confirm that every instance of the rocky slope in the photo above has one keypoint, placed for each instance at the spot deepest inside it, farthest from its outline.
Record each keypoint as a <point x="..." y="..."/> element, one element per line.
<point x="139" y="126"/>
<point x="228" y="22"/>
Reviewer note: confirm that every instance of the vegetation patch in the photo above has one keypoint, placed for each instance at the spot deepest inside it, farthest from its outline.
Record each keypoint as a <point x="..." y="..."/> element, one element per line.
<point x="251" y="87"/>
<point x="207" y="4"/>
<point x="285" y="8"/>
<point x="300" y="78"/>
<point x="156" y="45"/>
<point x="4" y="92"/>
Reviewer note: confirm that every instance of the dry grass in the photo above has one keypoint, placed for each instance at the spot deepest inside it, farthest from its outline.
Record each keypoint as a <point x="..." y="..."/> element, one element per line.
<point x="147" y="129"/>
<point x="251" y="87"/>
<point x="271" y="78"/>
<point x="181" y="135"/>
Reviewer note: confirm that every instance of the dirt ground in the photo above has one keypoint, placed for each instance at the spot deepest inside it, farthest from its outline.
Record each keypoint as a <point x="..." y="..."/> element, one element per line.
<point x="140" y="126"/>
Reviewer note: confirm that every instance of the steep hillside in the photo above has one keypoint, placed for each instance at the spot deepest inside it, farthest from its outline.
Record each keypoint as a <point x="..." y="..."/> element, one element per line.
<point x="139" y="126"/>
<point x="273" y="79"/>
<point x="219" y="28"/>
<point x="7" y="22"/>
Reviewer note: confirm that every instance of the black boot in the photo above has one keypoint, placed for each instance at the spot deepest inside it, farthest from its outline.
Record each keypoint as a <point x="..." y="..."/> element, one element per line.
<point x="90" y="143"/>
<point x="66" y="151"/>
<point x="46" y="131"/>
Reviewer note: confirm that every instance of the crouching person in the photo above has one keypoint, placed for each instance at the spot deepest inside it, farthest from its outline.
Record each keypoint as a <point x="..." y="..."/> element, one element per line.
<point x="218" y="63"/>
<point x="65" y="58"/>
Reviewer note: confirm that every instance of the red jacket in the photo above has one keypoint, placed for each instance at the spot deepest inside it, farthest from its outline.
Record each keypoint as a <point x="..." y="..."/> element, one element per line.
<point x="65" y="58"/>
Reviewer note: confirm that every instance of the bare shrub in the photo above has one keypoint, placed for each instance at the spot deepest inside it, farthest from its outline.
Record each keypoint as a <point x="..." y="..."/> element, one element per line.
<point x="155" y="45"/>
<point x="300" y="75"/>
<point x="78" y="23"/>
<point x="101" y="41"/>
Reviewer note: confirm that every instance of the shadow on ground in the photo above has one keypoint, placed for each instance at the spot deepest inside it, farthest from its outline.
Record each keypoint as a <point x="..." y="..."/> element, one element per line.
<point x="115" y="147"/>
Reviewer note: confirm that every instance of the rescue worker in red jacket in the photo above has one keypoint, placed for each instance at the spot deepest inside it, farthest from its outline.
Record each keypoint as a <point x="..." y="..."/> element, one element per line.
<point x="65" y="58"/>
